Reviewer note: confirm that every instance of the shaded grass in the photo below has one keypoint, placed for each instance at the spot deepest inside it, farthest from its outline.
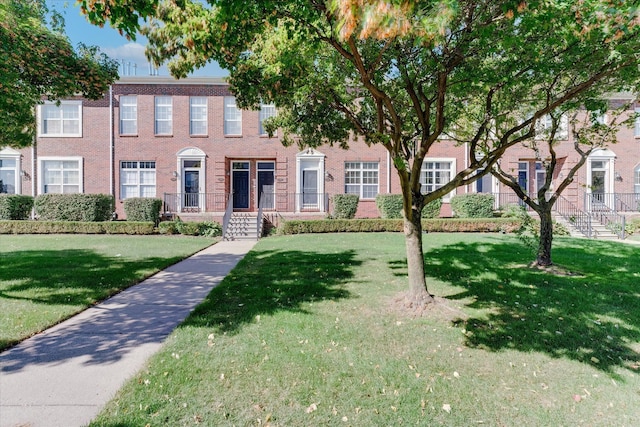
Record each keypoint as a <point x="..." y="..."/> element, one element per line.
<point x="303" y="332"/>
<point x="46" y="279"/>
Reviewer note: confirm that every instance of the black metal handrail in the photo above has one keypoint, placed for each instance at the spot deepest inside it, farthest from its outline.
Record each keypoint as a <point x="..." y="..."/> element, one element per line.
<point x="606" y="216"/>
<point x="194" y="202"/>
<point x="575" y="216"/>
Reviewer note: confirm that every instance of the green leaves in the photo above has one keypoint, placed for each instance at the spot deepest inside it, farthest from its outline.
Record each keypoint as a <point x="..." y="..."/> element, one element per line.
<point x="35" y="62"/>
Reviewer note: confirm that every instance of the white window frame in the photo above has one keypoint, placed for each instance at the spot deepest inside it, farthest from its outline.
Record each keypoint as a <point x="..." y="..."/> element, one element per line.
<point x="452" y="171"/>
<point x="163" y="115"/>
<point x="636" y="178"/>
<point x="198" y="112"/>
<point x="355" y="175"/>
<point x="636" y="131"/>
<point x="141" y="167"/>
<point x="266" y="111"/>
<point x="128" y="114"/>
<point x="545" y="123"/>
<point x="14" y="156"/>
<point x="232" y="115"/>
<point x="41" y="173"/>
<point x="51" y="106"/>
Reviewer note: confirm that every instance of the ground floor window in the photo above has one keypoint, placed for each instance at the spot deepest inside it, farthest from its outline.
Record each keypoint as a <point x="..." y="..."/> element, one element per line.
<point x="636" y="175"/>
<point x="137" y="179"/>
<point x="8" y="175"/>
<point x="361" y="178"/>
<point x="61" y="175"/>
<point x="436" y="173"/>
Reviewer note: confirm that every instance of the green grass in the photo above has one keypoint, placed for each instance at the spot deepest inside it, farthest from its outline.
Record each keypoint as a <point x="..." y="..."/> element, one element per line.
<point x="304" y="333"/>
<point x="46" y="279"/>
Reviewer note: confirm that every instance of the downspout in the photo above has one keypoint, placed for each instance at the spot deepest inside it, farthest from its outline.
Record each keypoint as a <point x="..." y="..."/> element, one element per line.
<point x="388" y="172"/>
<point x="111" y="144"/>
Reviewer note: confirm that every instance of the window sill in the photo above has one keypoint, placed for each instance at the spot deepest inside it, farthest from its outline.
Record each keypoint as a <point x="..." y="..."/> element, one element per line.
<point x="198" y="136"/>
<point x="233" y="136"/>
<point x="128" y="135"/>
<point x="163" y="136"/>
<point x="59" y="136"/>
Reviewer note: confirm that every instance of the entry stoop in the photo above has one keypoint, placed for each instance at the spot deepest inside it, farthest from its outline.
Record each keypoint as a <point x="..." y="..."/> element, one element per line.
<point x="243" y="226"/>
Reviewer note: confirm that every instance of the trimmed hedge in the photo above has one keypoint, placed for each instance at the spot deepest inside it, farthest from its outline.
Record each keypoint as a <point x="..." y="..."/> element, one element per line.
<point x="206" y="228"/>
<point x="503" y="225"/>
<point x="477" y="205"/>
<point x="15" y="206"/>
<point x="345" y="206"/>
<point x="74" y="207"/>
<point x="390" y="207"/>
<point x="74" y="227"/>
<point x="143" y="209"/>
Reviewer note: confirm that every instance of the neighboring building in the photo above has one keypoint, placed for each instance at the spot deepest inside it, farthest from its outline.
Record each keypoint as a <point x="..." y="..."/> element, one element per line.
<point x="186" y="142"/>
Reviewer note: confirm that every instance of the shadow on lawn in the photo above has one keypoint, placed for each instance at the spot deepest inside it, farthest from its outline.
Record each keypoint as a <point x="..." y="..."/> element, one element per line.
<point x="267" y="282"/>
<point x="592" y="318"/>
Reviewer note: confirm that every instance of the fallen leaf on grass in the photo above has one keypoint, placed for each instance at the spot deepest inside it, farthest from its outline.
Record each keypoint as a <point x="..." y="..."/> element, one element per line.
<point x="446" y="407"/>
<point x="311" y="408"/>
<point x="577" y="397"/>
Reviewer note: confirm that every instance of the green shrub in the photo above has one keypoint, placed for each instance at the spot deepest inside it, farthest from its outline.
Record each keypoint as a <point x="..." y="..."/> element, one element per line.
<point x="75" y="227"/>
<point x="473" y="205"/>
<point x="503" y="225"/>
<point x="390" y="206"/>
<point x="345" y="206"/>
<point x="74" y="207"/>
<point x="168" y="227"/>
<point x="143" y="209"/>
<point x="15" y="206"/>
<point x="210" y="229"/>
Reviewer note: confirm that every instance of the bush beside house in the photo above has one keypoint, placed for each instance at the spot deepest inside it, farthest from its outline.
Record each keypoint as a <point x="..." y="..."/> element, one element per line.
<point x="345" y="206"/>
<point x="143" y="209"/>
<point x="475" y="205"/>
<point x="74" y="207"/>
<point x="390" y="207"/>
<point x="15" y="206"/>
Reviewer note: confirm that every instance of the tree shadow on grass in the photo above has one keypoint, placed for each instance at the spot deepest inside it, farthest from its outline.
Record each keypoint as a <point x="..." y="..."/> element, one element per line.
<point x="592" y="317"/>
<point x="267" y="282"/>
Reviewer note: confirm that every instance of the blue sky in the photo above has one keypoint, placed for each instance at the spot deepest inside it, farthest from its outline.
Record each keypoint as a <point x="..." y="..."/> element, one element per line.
<point x="113" y="44"/>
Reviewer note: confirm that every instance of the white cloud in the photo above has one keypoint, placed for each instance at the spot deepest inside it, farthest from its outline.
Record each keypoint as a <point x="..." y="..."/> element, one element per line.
<point x="133" y="52"/>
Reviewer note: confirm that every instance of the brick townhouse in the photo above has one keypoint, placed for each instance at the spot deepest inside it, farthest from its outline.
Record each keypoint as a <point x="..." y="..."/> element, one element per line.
<point x="186" y="142"/>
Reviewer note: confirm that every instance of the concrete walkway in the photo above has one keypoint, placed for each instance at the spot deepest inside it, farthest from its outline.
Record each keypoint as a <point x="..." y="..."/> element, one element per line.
<point x="64" y="376"/>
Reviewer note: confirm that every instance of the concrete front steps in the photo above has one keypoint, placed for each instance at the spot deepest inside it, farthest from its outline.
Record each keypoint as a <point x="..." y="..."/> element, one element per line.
<point x="599" y="231"/>
<point x="242" y="226"/>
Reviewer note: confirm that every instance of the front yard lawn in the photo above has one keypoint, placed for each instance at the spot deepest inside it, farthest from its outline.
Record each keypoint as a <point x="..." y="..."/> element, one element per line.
<point x="45" y="279"/>
<point x="305" y="331"/>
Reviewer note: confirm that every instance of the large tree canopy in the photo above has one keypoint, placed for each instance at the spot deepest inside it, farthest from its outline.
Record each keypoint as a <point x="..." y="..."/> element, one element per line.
<point x="401" y="73"/>
<point x="37" y="61"/>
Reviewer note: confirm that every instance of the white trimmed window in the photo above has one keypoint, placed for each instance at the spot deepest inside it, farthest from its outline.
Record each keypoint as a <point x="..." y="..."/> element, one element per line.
<point x="636" y="181"/>
<point x="61" y="175"/>
<point x="137" y="179"/>
<point x="545" y="124"/>
<point x="9" y="175"/>
<point x="198" y="115"/>
<point x="64" y="120"/>
<point x="232" y="117"/>
<point x="361" y="178"/>
<point x="637" y="123"/>
<point x="435" y="173"/>
<point x="164" y="115"/>
<point x="129" y="115"/>
<point x="266" y="111"/>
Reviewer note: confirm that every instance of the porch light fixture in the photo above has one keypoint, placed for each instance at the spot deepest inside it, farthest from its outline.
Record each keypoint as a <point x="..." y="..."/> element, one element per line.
<point x="618" y="176"/>
<point x="175" y="174"/>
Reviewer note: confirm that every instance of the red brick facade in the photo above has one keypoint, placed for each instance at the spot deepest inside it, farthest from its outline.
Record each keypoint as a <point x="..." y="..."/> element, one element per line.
<point x="212" y="165"/>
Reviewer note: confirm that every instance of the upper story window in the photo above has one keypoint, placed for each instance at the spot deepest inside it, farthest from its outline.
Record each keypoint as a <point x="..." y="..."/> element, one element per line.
<point x="129" y="115"/>
<point x="198" y="115"/>
<point x="164" y="115"/>
<point x="64" y="120"/>
<point x="266" y="111"/>
<point x="61" y="175"/>
<point x="361" y="178"/>
<point x="545" y="124"/>
<point x="637" y="123"/>
<point x="435" y="173"/>
<point x="232" y="117"/>
<point x="137" y="179"/>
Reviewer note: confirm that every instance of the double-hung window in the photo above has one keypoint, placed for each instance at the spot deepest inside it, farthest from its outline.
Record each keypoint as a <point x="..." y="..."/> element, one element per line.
<point x="128" y="115"/>
<point x="232" y="117"/>
<point x="164" y="115"/>
<point x="636" y="182"/>
<point x="137" y="179"/>
<point x="61" y="175"/>
<point x="266" y="111"/>
<point x="9" y="175"/>
<point x="64" y="120"/>
<point x="637" y="123"/>
<point x="435" y="173"/>
<point x="198" y="115"/>
<point x="361" y="178"/>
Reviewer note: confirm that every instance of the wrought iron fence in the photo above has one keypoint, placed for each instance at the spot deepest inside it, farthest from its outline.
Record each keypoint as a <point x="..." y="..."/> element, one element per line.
<point x="269" y="202"/>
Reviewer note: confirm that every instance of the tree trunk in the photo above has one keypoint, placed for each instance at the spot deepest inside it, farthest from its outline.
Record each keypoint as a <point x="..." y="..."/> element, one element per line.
<point x="546" y="238"/>
<point x="418" y="296"/>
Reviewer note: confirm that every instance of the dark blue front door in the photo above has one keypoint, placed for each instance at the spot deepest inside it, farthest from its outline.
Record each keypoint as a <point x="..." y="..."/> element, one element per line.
<point x="241" y="189"/>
